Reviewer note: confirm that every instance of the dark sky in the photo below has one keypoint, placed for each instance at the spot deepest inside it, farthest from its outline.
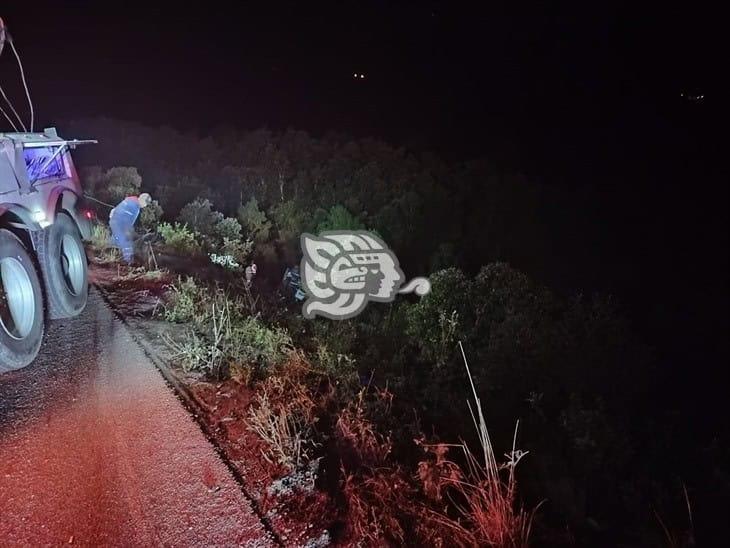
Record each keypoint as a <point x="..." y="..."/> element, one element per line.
<point x="578" y="99"/>
<point x="436" y="73"/>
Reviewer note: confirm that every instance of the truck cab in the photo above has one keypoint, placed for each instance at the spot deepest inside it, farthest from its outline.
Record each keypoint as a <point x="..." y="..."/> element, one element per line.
<point x="43" y="267"/>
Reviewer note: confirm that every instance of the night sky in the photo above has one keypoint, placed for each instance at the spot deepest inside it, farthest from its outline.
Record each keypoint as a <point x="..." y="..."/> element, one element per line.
<point x="588" y="99"/>
<point x="518" y="87"/>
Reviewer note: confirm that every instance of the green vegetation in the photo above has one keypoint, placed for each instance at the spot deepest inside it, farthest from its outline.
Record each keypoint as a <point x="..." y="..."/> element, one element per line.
<point x="357" y="393"/>
<point x="179" y="238"/>
<point x="254" y="221"/>
<point x="101" y="238"/>
<point x="183" y="301"/>
<point x="222" y="334"/>
<point x="100" y="235"/>
<point x="150" y="216"/>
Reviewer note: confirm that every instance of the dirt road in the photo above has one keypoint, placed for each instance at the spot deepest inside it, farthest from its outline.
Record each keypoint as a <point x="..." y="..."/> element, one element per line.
<point x="95" y="449"/>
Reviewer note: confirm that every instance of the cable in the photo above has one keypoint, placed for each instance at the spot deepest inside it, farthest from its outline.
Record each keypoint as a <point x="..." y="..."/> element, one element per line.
<point x="9" y="119"/>
<point x="2" y="92"/>
<point x="25" y="84"/>
<point x="2" y="35"/>
<point x="98" y="201"/>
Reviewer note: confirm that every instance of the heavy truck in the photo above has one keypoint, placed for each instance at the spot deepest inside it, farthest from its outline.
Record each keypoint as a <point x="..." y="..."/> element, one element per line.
<point x="43" y="267"/>
<point x="43" y="222"/>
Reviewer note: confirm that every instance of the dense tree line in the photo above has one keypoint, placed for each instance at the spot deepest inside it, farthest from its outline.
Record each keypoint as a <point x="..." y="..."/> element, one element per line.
<point x="431" y="213"/>
<point x="569" y="367"/>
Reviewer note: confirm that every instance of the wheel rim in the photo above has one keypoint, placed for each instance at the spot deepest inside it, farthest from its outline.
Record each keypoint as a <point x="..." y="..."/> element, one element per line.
<point x="72" y="264"/>
<point x="17" y="299"/>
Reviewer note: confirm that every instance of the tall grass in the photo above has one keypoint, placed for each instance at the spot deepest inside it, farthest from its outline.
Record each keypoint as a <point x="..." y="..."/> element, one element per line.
<point x="179" y="238"/>
<point x="487" y="489"/>
<point x="205" y="352"/>
<point x="679" y="537"/>
<point x="220" y="335"/>
<point x="282" y="418"/>
<point x="101" y="241"/>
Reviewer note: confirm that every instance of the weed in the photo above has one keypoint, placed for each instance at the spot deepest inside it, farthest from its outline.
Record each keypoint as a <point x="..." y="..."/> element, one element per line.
<point x="179" y="238"/>
<point x="100" y="235"/>
<point x="183" y="301"/>
<point x="679" y="538"/>
<point x="101" y="242"/>
<point x="283" y="416"/>
<point x="251" y="341"/>
<point x="487" y="498"/>
<point x="204" y="352"/>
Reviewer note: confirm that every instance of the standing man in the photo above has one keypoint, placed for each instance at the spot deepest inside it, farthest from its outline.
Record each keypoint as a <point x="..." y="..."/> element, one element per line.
<point x="121" y="222"/>
<point x="250" y="274"/>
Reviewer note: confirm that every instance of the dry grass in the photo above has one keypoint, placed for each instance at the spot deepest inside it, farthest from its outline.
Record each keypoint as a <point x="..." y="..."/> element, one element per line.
<point x="376" y="504"/>
<point x="486" y="491"/>
<point x="375" y="491"/>
<point x="683" y="537"/>
<point x="101" y="243"/>
<point x="360" y="443"/>
<point x="283" y="416"/>
<point x="204" y="353"/>
<point x="384" y="505"/>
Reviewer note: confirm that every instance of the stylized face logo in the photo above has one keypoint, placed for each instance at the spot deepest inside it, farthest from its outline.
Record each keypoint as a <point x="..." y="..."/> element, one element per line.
<point x="343" y="270"/>
<point x="373" y="273"/>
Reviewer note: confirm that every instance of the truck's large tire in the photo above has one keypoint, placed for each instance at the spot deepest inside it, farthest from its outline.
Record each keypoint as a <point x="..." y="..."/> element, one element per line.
<point x="21" y="305"/>
<point x="63" y="264"/>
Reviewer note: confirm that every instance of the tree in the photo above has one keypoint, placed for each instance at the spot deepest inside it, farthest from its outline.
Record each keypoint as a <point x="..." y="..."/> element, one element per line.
<point x="200" y="217"/>
<point x="112" y="185"/>
<point x="442" y="317"/>
<point x="228" y="229"/>
<point x="290" y="220"/>
<point x="149" y="217"/>
<point x="338" y="218"/>
<point x="120" y="182"/>
<point x="254" y="221"/>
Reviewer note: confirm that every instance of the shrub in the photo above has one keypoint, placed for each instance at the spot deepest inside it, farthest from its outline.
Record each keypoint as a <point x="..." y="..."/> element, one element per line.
<point x="438" y="319"/>
<point x="120" y="182"/>
<point x="100" y="235"/>
<point x="252" y="342"/>
<point x="179" y="238"/>
<point x="290" y="219"/>
<point x="183" y="301"/>
<point x="150" y="216"/>
<point x="333" y="363"/>
<point x="200" y="217"/>
<point x="220" y="323"/>
<point x="337" y="218"/>
<point x="254" y="221"/>
<point x="283" y="416"/>
<point x="205" y="351"/>
<point x="195" y="353"/>
<point x="228" y="229"/>
<point x="239" y="249"/>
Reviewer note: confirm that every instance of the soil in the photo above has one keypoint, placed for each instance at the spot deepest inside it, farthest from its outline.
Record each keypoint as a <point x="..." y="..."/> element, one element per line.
<point x="298" y="519"/>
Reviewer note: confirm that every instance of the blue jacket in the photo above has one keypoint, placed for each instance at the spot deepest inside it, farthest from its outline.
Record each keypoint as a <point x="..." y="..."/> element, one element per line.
<point x="126" y="212"/>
